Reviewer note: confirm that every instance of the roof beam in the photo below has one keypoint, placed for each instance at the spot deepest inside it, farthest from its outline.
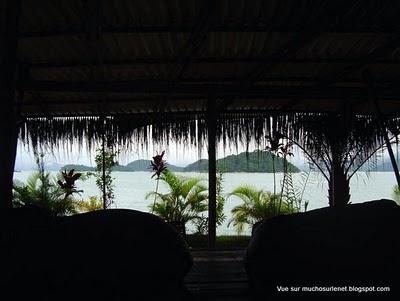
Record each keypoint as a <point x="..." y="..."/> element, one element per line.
<point x="308" y="33"/>
<point x="386" y="48"/>
<point x="374" y="56"/>
<point x="223" y="28"/>
<point x="198" y="36"/>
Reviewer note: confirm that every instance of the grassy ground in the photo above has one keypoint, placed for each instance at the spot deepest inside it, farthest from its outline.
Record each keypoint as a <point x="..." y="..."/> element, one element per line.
<point x="223" y="241"/>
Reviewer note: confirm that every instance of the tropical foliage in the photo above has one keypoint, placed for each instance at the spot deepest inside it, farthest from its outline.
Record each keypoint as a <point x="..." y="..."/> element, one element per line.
<point x="274" y="147"/>
<point x="278" y="148"/>
<point x="293" y="190"/>
<point x="257" y="205"/>
<point x="338" y="145"/>
<point x="105" y="160"/>
<point x="201" y="223"/>
<point x="52" y="194"/>
<point x="396" y="194"/>
<point x="42" y="191"/>
<point x="93" y="204"/>
<point x="67" y="183"/>
<point x="185" y="200"/>
<point x="158" y="165"/>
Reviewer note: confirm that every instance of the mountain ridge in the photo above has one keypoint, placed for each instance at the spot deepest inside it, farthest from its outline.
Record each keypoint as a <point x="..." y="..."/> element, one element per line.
<point x="257" y="161"/>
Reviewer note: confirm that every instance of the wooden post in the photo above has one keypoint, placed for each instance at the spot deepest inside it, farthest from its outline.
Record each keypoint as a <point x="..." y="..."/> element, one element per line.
<point x="8" y="128"/>
<point x="372" y="95"/>
<point x="212" y="170"/>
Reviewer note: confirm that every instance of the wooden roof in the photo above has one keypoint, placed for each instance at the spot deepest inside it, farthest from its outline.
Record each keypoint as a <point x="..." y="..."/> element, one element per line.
<point x="90" y="57"/>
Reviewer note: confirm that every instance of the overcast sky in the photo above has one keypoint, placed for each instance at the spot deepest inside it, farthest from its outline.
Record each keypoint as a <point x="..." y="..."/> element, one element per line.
<point x="174" y="154"/>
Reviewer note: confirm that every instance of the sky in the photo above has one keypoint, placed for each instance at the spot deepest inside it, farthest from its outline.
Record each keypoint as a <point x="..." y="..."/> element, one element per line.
<point x="174" y="154"/>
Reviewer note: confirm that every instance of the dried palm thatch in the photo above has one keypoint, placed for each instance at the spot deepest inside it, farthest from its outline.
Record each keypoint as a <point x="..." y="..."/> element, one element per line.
<point x="141" y="130"/>
<point x="312" y="131"/>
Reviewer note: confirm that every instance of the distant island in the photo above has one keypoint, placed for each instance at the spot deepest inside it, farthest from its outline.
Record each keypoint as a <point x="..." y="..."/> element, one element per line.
<point x="257" y="161"/>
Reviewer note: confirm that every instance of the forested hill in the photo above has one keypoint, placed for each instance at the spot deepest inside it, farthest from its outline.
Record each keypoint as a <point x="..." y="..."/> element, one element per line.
<point x="143" y="165"/>
<point x="257" y="161"/>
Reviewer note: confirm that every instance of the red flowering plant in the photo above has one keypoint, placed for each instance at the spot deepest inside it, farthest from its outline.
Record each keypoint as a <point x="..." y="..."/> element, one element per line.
<point x="158" y="165"/>
<point x="69" y="182"/>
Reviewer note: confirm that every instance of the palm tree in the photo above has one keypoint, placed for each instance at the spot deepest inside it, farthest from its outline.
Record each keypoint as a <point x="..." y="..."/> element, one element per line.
<point x="185" y="200"/>
<point x="338" y="144"/>
<point x="257" y="205"/>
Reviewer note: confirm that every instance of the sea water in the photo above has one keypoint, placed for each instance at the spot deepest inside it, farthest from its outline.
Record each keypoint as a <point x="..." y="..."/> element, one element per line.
<point x="131" y="188"/>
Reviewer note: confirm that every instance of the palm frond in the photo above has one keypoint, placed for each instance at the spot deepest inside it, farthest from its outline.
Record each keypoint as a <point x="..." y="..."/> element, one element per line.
<point x="257" y="205"/>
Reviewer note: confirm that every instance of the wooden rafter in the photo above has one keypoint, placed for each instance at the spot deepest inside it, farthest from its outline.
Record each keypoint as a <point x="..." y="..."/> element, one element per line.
<point x="308" y="33"/>
<point x="175" y="87"/>
<point x="301" y="38"/>
<point x="381" y="51"/>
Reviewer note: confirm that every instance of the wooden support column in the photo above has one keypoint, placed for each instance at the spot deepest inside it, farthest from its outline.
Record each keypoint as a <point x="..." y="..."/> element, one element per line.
<point x="8" y="123"/>
<point x="371" y="93"/>
<point x="212" y="171"/>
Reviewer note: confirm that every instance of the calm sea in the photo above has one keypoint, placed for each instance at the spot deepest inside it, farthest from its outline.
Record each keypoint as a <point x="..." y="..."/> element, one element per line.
<point x="131" y="188"/>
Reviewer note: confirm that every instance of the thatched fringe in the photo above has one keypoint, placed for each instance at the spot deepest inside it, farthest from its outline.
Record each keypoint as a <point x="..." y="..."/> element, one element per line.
<point x="233" y="129"/>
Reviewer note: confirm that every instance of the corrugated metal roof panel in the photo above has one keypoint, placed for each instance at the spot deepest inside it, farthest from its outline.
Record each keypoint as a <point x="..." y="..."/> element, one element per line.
<point x="247" y="44"/>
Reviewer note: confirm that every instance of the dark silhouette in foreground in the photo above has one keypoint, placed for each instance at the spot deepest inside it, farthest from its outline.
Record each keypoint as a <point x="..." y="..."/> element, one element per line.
<point x="108" y="255"/>
<point x="354" y="246"/>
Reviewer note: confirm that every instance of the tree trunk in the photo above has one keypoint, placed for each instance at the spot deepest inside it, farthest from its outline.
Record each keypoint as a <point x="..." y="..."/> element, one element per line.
<point x="339" y="188"/>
